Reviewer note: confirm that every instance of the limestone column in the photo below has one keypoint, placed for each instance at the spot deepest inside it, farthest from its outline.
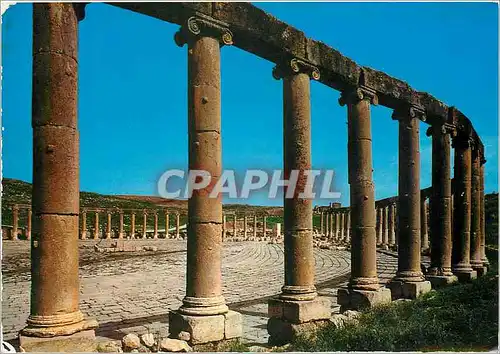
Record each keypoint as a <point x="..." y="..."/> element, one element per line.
<point x="486" y="263"/>
<point x="332" y="225"/>
<point x="385" y="226"/>
<point x="177" y="226"/>
<point x="167" y="224"/>
<point x="96" y="226"/>
<point x="264" y="226"/>
<point x="155" y="232"/>
<point x="461" y="266"/>
<point x="440" y="270"/>
<point x="84" y="224"/>
<point x="476" y="257"/>
<point x="321" y="232"/>
<point x="15" y="222"/>
<point x="55" y="289"/>
<point x="363" y="288"/>
<point x="342" y="220"/>
<point x="204" y="302"/>
<point x="224" y="227"/>
<point x="234" y="226"/>
<point x="298" y="302"/>
<point x="132" y="225"/>
<point x="424" y="233"/>
<point x="245" y="230"/>
<point x="120" y="229"/>
<point x="108" y="226"/>
<point x="28" y="227"/>
<point x="379" y="225"/>
<point x="348" y="227"/>
<point x="255" y="227"/>
<point x="337" y="226"/>
<point x="392" y="224"/>
<point x="409" y="281"/>
<point x="144" y="224"/>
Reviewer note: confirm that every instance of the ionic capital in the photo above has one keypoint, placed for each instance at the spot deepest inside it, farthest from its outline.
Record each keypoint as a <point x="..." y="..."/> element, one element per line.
<point x="442" y="129"/>
<point x="408" y="112"/>
<point x="203" y="26"/>
<point x="293" y="67"/>
<point x="357" y="94"/>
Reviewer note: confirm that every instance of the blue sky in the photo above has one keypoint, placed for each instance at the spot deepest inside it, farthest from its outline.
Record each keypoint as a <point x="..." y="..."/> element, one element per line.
<point x="133" y="100"/>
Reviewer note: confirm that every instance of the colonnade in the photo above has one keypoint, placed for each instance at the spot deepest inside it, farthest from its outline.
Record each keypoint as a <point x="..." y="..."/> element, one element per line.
<point x="204" y="313"/>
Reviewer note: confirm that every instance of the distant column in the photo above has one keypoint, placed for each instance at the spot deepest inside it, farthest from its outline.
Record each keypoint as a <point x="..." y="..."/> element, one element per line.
<point x="120" y="229"/>
<point x="234" y="226"/>
<point x="255" y="227"/>
<point x="363" y="289"/>
<point x="385" y="225"/>
<point x="15" y="222"/>
<point x="96" y="226"/>
<point x="167" y="224"/>
<point x="224" y="227"/>
<point x="379" y="227"/>
<point x="486" y="263"/>
<point x="392" y="224"/>
<point x="337" y="226"/>
<point x="84" y="224"/>
<point x="440" y="219"/>
<point x="475" y="226"/>
<point x="245" y="230"/>
<point x="342" y="220"/>
<point x="264" y="226"/>
<point x="132" y="225"/>
<point x="348" y="227"/>
<point x="28" y="228"/>
<point x="155" y="232"/>
<point x="321" y="232"/>
<point x="144" y="224"/>
<point x="424" y="229"/>
<point x="177" y="226"/>
<point x="108" y="226"/>
<point x="331" y="222"/>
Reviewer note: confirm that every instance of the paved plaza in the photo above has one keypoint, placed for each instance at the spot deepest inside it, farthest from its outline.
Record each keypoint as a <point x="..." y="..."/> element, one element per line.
<point x="133" y="291"/>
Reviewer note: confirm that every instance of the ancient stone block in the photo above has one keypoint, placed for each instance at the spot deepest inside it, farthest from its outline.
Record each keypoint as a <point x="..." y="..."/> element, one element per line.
<point x="300" y="311"/>
<point x="282" y="332"/>
<point x="360" y="299"/>
<point x="203" y="329"/>
<point x="408" y="290"/>
<point x="233" y="325"/>
<point x="438" y="281"/>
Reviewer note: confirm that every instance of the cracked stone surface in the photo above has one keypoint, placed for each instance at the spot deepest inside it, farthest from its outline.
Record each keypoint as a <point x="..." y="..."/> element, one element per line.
<point x="132" y="292"/>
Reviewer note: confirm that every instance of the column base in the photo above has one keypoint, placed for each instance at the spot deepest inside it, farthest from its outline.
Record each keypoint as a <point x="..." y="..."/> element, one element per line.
<point x="282" y="332"/>
<point x="354" y="299"/>
<point x="438" y="281"/>
<point x="299" y="311"/>
<point x="205" y="329"/>
<point x="465" y="275"/>
<point x="479" y="269"/>
<point x="83" y="341"/>
<point x="408" y="290"/>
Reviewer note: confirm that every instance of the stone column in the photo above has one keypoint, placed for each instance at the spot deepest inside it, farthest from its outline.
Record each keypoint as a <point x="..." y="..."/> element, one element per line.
<point x="245" y="230"/>
<point x="409" y="281"/>
<point x="321" y="232"/>
<point x="96" y="226"/>
<point x="363" y="289"/>
<point x="476" y="257"/>
<point x="167" y="224"/>
<point x="379" y="226"/>
<point x="132" y="225"/>
<point x="327" y="229"/>
<point x="342" y="221"/>
<point x="108" y="226"/>
<point x="424" y="229"/>
<point x="461" y="266"/>
<point x="234" y="226"/>
<point x="255" y="227"/>
<point x="337" y="226"/>
<point x="348" y="227"/>
<point x="55" y="286"/>
<point x="204" y="303"/>
<point x="224" y="227"/>
<point x="15" y="222"/>
<point x="486" y="263"/>
<point x="264" y="226"/>
<point x="28" y="227"/>
<point x="144" y="224"/>
<point x="440" y="270"/>
<point x="385" y="226"/>
<point x="332" y="225"/>
<point x="155" y="232"/>
<point x="84" y="224"/>
<point x="120" y="229"/>
<point x="298" y="302"/>
<point x="177" y="226"/>
<point x="392" y="224"/>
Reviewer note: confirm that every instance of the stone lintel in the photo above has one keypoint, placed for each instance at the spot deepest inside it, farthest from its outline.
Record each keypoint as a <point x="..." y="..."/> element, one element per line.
<point x="354" y="299"/>
<point x="299" y="311"/>
<point x="408" y="290"/>
<point x="206" y="329"/>
<point x="438" y="281"/>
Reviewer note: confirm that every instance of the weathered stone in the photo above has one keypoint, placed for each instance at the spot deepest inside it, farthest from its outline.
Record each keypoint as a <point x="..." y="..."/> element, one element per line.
<point x="148" y="339"/>
<point x="438" y="281"/>
<point x="409" y="290"/>
<point x="203" y="329"/>
<point x="362" y="299"/>
<point x="300" y="311"/>
<point x="131" y="341"/>
<point x="351" y="314"/>
<point x="281" y="331"/>
<point x="233" y="325"/>
<point x="110" y="347"/>
<point x="185" y="336"/>
<point x="174" y="345"/>
<point x="339" y="320"/>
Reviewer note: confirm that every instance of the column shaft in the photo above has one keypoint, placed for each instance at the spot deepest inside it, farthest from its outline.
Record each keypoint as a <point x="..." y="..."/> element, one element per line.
<point x="255" y="227"/>
<point x="144" y="225"/>
<point x="108" y="226"/>
<point x="96" y="226"/>
<point x="132" y="225"/>
<point x="385" y="225"/>
<point x="28" y="227"/>
<point x="15" y="222"/>
<point x="379" y="226"/>
<point x="84" y="225"/>
<point x="167" y="224"/>
<point x="155" y="232"/>
<point x="264" y="226"/>
<point x="475" y="236"/>
<point x="177" y="226"/>
<point x="424" y="229"/>
<point x="120" y="229"/>
<point x="482" y="215"/>
<point x="392" y="225"/>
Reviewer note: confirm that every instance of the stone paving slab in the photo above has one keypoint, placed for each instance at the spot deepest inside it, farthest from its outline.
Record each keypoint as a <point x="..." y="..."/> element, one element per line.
<point x="134" y="291"/>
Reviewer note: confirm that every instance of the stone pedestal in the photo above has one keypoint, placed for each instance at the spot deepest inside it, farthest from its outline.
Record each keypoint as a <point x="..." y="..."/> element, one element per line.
<point x="408" y="290"/>
<point x="357" y="299"/>
<point x="438" y="281"/>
